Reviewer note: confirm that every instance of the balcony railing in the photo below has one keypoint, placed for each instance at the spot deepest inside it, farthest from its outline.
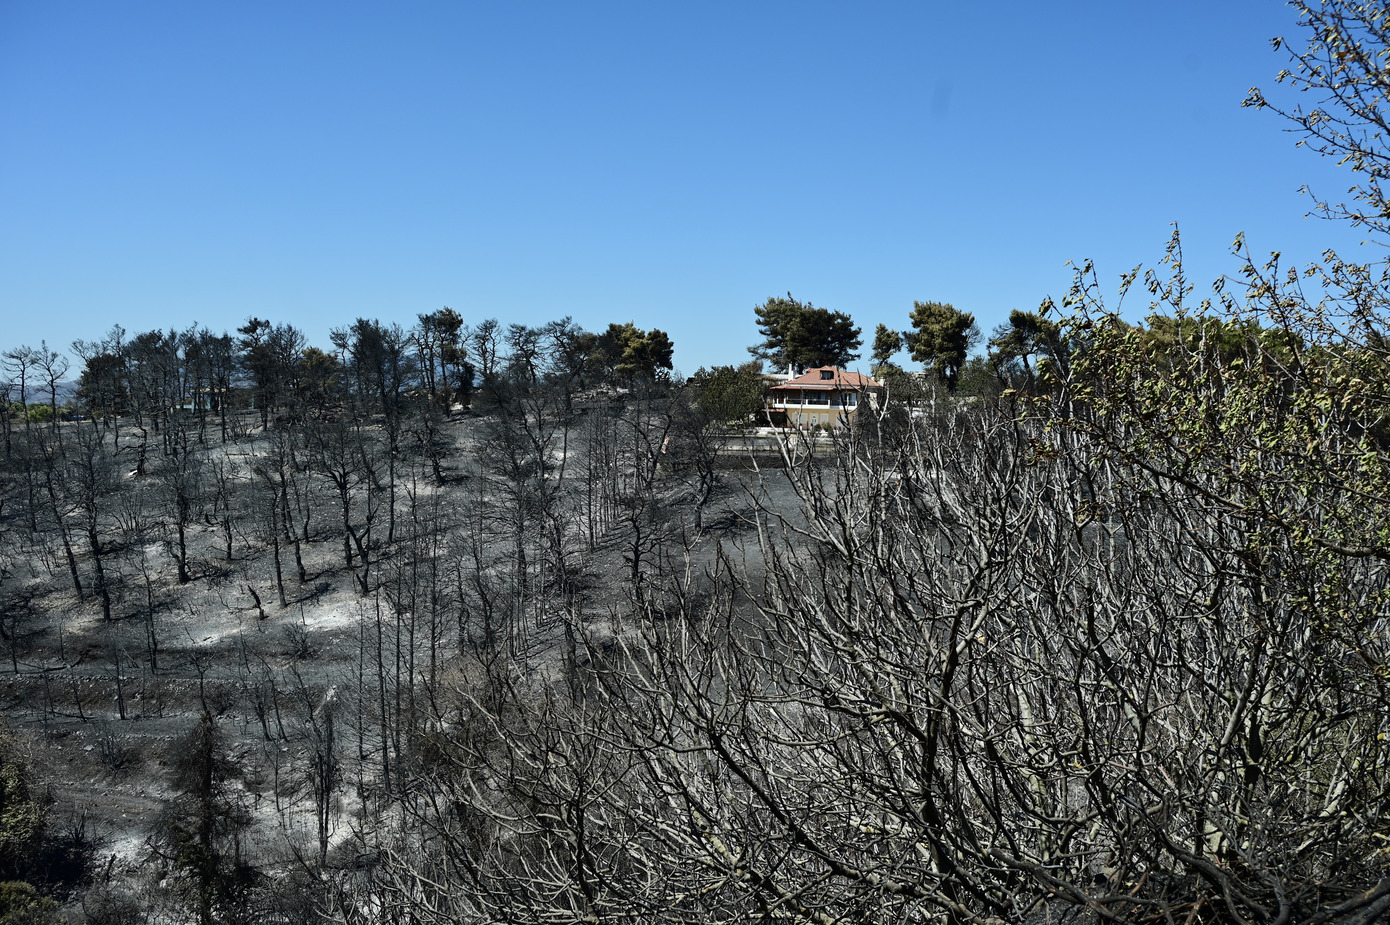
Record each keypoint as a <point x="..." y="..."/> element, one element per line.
<point x="816" y="400"/>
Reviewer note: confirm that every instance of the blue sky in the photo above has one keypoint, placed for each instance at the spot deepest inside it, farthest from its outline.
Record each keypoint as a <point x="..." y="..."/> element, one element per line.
<point x="673" y="165"/>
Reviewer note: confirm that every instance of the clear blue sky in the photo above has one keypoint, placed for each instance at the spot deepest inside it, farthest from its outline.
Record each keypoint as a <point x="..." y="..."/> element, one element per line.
<point x="669" y="164"/>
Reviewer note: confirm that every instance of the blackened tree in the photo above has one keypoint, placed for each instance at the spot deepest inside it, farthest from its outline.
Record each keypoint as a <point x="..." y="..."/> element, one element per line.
<point x="382" y="372"/>
<point x="380" y="366"/>
<point x="102" y="388"/>
<point x="152" y="363"/>
<point x="485" y="341"/>
<point x="442" y="356"/>
<point x="52" y="367"/>
<point x="88" y="478"/>
<point x="201" y="830"/>
<point x="270" y="357"/>
<point x="180" y="476"/>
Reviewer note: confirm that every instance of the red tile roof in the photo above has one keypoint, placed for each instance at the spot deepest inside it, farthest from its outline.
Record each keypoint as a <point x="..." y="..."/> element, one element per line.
<point x="843" y="380"/>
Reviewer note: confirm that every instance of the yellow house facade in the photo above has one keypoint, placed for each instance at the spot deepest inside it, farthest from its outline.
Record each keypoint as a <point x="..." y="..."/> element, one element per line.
<point x="824" y="396"/>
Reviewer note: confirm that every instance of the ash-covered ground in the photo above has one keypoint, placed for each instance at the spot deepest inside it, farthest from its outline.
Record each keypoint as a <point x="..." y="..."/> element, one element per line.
<point x="400" y="577"/>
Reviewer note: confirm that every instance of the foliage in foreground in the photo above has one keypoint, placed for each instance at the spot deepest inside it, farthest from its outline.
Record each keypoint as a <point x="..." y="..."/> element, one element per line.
<point x="1121" y="646"/>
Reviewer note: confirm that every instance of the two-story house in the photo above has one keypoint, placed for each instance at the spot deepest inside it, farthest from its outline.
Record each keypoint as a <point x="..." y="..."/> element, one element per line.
<point x="824" y="396"/>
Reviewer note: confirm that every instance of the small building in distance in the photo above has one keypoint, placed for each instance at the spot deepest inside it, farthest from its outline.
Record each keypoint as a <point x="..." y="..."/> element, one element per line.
<point x="823" y="396"/>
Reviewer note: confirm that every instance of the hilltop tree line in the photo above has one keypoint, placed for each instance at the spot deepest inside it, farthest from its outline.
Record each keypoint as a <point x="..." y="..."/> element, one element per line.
<point x="442" y="363"/>
<point x="369" y="365"/>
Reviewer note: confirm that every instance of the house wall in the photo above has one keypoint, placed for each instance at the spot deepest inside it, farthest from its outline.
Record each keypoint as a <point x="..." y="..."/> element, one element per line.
<point x="821" y="416"/>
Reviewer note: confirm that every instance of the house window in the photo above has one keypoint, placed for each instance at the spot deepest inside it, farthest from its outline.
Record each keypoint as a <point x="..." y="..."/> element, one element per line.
<point x="827" y="374"/>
